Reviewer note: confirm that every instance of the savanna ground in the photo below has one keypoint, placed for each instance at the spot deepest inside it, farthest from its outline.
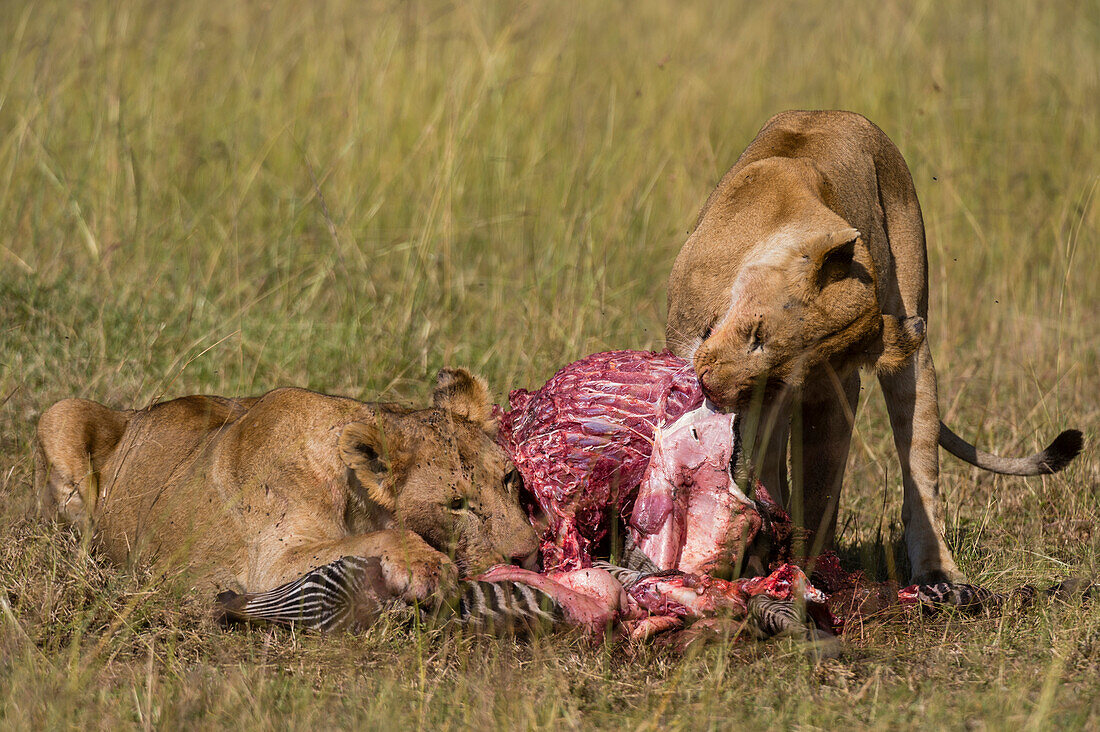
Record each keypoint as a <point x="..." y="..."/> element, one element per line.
<point x="213" y="197"/>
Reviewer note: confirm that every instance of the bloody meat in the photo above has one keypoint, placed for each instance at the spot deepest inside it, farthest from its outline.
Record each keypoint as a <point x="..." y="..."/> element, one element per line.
<point x="586" y="441"/>
<point x="582" y="442"/>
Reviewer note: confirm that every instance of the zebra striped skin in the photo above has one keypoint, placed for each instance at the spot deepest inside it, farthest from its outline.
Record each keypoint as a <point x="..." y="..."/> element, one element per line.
<point x="341" y="595"/>
<point x="344" y="595"/>
<point x="636" y="564"/>
<point x="973" y="599"/>
<point x="624" y="575"/>
<point x="636" y="559"/>
<point x="770" y="617"/>
<point x="506" y="606"/>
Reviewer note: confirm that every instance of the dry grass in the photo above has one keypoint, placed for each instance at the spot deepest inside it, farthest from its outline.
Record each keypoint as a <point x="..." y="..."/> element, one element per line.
<point x="202" y="197"/>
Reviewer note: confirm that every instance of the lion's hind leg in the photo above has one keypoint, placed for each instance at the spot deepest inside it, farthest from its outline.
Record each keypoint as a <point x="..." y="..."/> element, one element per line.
<point x="74" y="438"/>
<point x="912" y="404"/>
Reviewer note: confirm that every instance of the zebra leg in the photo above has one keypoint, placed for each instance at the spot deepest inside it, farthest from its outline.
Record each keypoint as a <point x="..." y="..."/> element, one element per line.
<point x="634" y="565"/>
<point x="959" y="596"/>
<point x="974" y="600"/>
<point x="342" y="595"/>
<point x="770" y="617"/>
<point x="504" y="606"/>
<point x="511" y="598"/>
<point x="412" y="569"/>
<point x="347" y="595"/>
<point x="628" y="575"/>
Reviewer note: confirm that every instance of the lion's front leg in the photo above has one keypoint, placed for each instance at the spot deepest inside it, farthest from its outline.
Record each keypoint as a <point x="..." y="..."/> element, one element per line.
<point x="411" y="569"/>
<point x="912" y="402"/>
<point x="348" y="594"/>
<point x="340" y="584"/>
<point x="765" y="430"/>
<point x="821" y="433"/>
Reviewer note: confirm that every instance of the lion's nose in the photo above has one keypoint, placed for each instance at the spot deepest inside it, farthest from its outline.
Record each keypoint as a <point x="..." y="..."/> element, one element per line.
<point x="704" y="371"/>
<point x="706" y="382"/>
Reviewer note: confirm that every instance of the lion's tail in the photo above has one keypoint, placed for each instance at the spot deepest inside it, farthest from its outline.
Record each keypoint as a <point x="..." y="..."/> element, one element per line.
<point x="1056" y="456"/>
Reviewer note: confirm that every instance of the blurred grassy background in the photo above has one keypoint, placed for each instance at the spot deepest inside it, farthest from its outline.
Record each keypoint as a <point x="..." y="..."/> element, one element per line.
<point x="213" y="197"/>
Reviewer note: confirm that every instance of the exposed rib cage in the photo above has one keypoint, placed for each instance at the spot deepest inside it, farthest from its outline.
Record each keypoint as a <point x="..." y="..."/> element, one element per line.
<point x="582" y="441"/>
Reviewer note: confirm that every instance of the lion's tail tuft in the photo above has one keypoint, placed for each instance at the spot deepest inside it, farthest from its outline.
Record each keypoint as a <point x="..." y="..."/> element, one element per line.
<point x="1059" y="453"/>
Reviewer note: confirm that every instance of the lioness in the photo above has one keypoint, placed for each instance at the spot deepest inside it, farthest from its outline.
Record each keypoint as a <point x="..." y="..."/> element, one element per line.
<point x="244" y="495"/>
<point x="807" y="262"/>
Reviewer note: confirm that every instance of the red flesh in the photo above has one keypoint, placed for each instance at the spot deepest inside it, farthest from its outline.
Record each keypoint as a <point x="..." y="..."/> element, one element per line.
<point x="690" y="515"/>
<point x="582" y="441"/>
<point x="593" y="599"/>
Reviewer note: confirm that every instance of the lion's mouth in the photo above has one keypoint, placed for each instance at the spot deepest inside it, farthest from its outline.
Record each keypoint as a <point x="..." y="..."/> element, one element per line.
<point x="754" y="395"/>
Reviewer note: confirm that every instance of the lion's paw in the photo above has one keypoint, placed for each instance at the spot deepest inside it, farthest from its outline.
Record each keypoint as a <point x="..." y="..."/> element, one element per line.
<point x="417" y="573"/>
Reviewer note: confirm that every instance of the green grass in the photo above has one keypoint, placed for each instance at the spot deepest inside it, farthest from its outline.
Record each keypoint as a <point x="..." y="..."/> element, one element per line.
<point x="227" y="197"/>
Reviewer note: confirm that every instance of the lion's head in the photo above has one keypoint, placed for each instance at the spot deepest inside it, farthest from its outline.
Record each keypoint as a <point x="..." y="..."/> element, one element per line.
<point x="438" y="472"/>
<point x="772" y="284"/>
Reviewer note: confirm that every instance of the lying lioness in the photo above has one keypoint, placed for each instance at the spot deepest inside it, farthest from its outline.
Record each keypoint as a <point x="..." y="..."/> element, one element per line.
<point x="244" y="495"/>
<point x="808" y="262"/>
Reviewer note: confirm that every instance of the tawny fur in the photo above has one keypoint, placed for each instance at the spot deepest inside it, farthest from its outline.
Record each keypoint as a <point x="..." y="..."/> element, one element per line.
<point x="808" y="262"/>
<point x="246" y="494"/>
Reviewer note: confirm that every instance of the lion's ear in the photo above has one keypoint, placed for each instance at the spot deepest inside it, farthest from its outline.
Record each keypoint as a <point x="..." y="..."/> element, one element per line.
<point x="819" y="248"/>
<point x="828" y="257"/>
<point x="464" y="394"/>
<point x="375" y="451"/>
<point x="901" y="337"/>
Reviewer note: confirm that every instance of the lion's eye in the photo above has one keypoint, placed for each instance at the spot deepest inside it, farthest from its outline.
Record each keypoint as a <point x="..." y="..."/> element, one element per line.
<point x="460" y="503"/>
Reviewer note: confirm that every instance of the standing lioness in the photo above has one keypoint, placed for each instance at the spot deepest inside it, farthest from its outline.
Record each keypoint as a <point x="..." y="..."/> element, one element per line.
<point x="247" y="494"/>
<point x="807" y="262"/>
